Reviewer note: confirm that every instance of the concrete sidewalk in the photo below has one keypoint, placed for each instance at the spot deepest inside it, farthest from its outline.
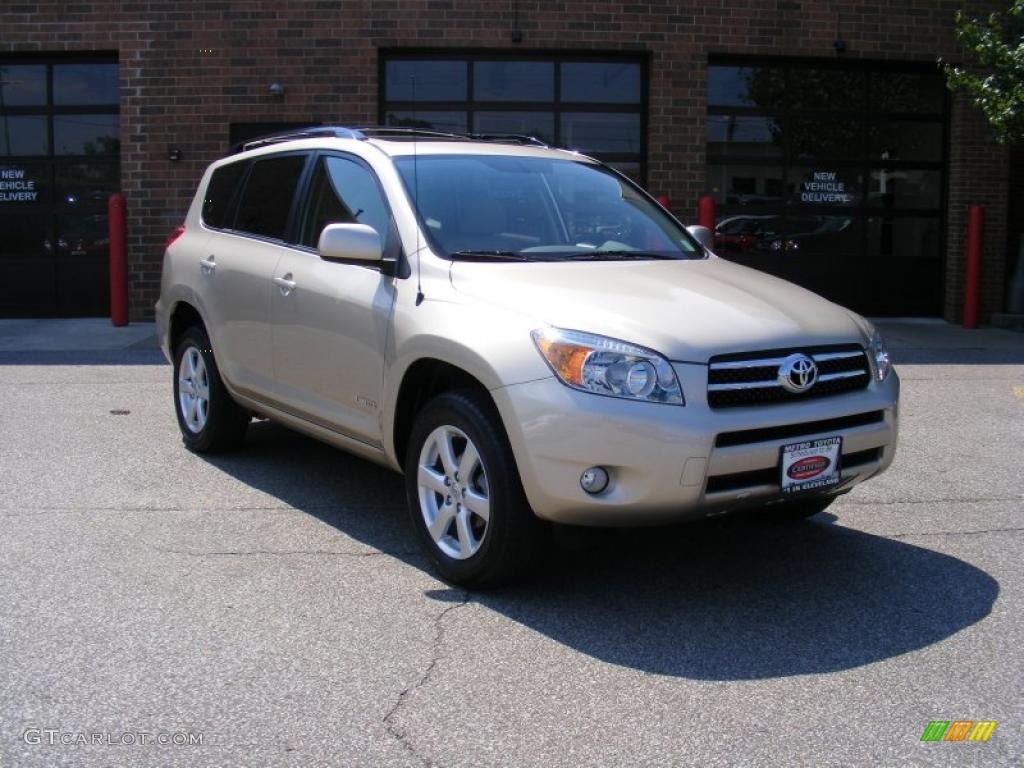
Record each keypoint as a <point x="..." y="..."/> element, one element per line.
<point x="74" y="334"/>
<point x="78" y="341"/>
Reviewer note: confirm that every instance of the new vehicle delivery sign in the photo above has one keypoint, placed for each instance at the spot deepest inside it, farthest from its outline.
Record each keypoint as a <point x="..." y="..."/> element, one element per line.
<point x="15" y="188"/>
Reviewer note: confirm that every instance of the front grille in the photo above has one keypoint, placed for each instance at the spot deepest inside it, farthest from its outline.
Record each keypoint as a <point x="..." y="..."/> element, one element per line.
<point x="770" y="476"/>
<point x="752" y="379"/>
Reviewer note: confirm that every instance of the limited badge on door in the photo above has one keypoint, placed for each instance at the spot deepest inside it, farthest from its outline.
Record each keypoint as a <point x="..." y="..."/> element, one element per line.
<point x="812" y="465"/>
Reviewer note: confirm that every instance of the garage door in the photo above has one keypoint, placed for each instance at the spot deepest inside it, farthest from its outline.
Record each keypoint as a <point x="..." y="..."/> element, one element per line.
<point x="832" y="175"/>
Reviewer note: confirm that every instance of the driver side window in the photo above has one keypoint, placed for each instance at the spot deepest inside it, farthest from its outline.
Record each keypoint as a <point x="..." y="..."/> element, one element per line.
<point x="343" y="192"/>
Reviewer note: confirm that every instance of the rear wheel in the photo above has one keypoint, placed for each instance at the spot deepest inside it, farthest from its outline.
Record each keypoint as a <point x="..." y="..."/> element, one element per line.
<point x="466" y="501"/>
<point x="209" y="419"/>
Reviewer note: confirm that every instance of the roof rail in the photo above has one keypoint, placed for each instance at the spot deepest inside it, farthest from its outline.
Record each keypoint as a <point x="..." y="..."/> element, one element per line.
<point x="313" y="132"/>
<point x="395" y="131"/>
<point x="398" y="131"/>
<point x="508" y="138"/>
<point x="384" y="132"/>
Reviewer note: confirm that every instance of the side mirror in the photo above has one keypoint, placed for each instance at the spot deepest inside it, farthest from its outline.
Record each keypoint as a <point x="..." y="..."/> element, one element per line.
<point x="702" y="235"/>
<point x="349" y="242"/>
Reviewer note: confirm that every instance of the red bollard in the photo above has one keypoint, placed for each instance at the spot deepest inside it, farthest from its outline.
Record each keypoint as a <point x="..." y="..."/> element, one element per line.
<point x="972" y="278"/>
<point x="706" y="212"/>
<point x="118" y="230"/>
<point x="664" y="202"/>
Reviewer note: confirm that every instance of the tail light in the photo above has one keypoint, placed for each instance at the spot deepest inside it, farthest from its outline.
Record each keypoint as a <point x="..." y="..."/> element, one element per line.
<point x="178" y="232"/>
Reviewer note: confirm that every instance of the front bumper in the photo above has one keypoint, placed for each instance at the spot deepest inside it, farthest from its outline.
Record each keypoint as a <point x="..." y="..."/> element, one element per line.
<point x="669" y="463"/>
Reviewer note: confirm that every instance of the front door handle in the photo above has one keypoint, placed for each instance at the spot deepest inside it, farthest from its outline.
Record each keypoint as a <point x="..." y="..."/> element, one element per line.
<point x="286" y="284"/>
<point x="207" y="265"/>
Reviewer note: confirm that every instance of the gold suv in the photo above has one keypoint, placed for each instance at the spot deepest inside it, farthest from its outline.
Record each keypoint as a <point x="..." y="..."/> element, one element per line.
<point x="522" y="331"/>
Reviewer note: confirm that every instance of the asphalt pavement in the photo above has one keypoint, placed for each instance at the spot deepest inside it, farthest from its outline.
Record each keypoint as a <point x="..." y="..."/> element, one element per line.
<point x="270" y="607"/>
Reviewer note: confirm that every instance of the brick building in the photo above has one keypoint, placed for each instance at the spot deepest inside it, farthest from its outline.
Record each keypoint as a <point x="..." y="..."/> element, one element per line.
<point x="822" y="129"/>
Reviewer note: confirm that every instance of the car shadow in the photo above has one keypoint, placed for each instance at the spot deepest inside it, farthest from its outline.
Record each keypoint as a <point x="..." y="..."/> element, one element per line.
<point x="728" y="599"/>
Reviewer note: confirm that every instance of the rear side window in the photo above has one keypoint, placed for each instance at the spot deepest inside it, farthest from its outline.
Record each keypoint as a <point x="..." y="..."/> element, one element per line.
<point x="220" y="193"/>
<point x="267" y="197"/>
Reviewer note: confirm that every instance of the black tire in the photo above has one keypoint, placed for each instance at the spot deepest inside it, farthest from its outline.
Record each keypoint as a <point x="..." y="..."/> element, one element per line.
<point x="795" y="511"/>
<point x="513" y="534"/>
<point x="225" y="423"/>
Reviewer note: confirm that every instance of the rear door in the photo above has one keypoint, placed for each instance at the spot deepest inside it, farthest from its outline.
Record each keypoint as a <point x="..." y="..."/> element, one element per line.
<point x="330" y="319"/>
<point x="236" y="267"/>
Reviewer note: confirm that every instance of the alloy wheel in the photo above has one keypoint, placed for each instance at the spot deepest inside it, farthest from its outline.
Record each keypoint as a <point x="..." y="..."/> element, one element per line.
<point x="193" y="389"/>
<point x="454" y="494"/>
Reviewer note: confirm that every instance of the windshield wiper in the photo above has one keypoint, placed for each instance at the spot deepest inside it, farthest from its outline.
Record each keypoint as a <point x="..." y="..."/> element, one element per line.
<point x="484" y="255"/>
<point x="610" y="255"/>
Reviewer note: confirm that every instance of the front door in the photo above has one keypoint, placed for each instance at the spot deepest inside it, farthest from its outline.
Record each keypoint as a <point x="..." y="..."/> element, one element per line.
<point x="330" y="320"/>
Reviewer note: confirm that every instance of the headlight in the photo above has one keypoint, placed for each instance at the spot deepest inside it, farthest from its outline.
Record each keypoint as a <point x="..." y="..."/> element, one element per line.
<point x="880" y="355"/>
<point x="608" y="367"/>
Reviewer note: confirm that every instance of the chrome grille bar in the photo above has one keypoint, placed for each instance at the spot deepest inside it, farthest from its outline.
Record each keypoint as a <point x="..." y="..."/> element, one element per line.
<point x="821" y="357"/>
<point x="753" y="380"/>
<point x="773" y="383"/>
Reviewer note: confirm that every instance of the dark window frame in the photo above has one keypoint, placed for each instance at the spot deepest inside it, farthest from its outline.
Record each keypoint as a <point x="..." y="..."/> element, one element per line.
<point x="49" y="110"/>
<point x="556" y="107"/>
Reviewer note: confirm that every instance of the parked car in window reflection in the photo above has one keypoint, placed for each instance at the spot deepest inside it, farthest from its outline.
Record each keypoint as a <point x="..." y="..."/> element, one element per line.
<point x="742" y="234"/>
<point x="817" y="233"/>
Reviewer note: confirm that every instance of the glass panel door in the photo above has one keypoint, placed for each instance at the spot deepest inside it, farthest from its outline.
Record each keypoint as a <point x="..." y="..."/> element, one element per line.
<point x="59" y="162"/>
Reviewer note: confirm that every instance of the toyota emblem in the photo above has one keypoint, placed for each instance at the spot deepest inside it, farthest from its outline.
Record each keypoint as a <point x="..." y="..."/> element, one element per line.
<point x="798" y="373"/>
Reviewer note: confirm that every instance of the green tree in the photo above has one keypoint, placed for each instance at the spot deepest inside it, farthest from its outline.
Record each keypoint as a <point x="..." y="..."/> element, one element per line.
<point x="995" y="82"/>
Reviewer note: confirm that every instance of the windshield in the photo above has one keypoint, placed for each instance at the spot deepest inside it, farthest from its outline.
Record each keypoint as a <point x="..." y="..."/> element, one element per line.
<point x="537" y="209"/>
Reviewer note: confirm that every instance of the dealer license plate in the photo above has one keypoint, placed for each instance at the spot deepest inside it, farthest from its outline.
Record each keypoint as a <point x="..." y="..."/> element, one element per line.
<point x="811" y="465"/>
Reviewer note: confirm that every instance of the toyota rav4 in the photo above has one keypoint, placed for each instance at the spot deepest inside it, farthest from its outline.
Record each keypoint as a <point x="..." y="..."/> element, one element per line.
<point x="522" y="331"/>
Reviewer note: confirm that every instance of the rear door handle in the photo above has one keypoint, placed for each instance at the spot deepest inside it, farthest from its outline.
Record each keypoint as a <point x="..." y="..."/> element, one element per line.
<point x="285" y="284"/>
<point x="207" y="265"/>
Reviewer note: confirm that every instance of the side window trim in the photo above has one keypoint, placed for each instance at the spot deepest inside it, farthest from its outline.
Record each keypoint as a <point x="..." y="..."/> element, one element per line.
<point x="300" y="199"/>
<point x="236" y="198"/>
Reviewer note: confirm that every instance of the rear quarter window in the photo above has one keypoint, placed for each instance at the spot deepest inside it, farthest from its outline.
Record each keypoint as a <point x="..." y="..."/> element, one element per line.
<point x="220" y="194"/>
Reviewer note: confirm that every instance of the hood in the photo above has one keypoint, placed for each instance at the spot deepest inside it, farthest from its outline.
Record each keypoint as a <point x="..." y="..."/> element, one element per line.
<point x="686" y="310"/>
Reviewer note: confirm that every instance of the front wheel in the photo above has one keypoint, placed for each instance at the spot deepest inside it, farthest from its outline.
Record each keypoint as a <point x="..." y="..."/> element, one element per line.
<point x="466" y="501"/>
<point x="209" y="420"/>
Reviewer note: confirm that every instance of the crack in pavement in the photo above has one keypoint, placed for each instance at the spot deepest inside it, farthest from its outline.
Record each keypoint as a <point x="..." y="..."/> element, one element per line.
<point x="888" y="503"/>
<point x="285" y="553"/>
<point x="201" y="508"/>
<point x="435" y="655"/>
<point x="951" y="533"/>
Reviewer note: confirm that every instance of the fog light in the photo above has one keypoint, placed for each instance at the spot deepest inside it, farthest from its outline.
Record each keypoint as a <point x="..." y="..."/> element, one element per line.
<point x="594" y="480"/>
